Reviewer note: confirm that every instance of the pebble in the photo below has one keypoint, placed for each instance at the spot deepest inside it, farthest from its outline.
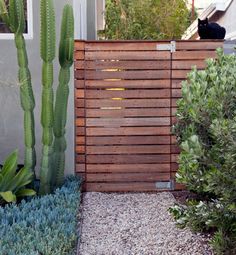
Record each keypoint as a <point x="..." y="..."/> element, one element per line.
<point x="134" y="224"/>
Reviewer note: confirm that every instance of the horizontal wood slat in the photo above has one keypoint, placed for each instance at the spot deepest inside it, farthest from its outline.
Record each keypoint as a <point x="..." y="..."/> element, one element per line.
<point x="131" y="103"/>
<point x="144" y="93"/>
<point x="127" y="55"/>
<point x="136" y="84"/>
<point x="126" y="75"/>
<point x="117" y="140"/>
<point x="122" y="187"/>
<point x="198" y="45"/>
<point x="116" y="113"/>
<point x="188" y="64"/>
<point x="126" y="96"/>
<point x="123" y="46"/>
<point x="124" y="65"/>
<point x="128" y="168"/>
<point x="128" y="177"/>
<point x="95" y="131"/>
<point x="127" y="159"/>
<point x="126" y="122"/>
<point x="125" y="149"/>
<point x="193" y="55"/>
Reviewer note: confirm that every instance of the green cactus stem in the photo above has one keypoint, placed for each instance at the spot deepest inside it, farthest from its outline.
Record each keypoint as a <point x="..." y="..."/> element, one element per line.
<point x="15" y="20"/>
<point x="66" y="51"/>
<point x="47" y="54"/>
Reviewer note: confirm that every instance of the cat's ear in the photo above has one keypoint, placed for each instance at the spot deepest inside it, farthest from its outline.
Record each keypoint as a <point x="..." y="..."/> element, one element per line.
<point x="207" y="20"/>
<point x="199" y="20"/>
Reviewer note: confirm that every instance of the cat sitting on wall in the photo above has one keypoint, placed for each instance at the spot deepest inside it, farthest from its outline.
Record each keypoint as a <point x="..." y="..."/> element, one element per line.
<point x="212" y="30"/>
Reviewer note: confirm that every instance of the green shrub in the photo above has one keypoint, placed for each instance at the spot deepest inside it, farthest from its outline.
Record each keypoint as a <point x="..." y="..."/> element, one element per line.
<point x="13" y="182"/>
<point x="45" y="225"/>
<point x="206" y="132"/>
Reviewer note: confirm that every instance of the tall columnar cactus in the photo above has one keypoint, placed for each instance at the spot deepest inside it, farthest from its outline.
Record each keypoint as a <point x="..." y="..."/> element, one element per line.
<point x="15" y="20"/>
<point x="47" y="55"/>
<point x="66" y="50"/>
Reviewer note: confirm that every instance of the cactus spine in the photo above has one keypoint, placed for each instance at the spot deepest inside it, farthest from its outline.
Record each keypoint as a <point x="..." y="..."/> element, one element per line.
<point x="14" y="19"/>
<point x="66" y="51"/>
<point x="47" y="54"/>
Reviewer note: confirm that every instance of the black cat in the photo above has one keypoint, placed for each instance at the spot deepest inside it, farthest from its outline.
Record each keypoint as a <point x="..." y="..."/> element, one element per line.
<point x="212" y="30"/>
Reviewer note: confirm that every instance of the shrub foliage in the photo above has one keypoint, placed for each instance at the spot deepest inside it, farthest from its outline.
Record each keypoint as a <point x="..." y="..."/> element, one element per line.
<point x="145" y="19"/>
<point x="44" y="225"/>
<point x="206" y="132"/>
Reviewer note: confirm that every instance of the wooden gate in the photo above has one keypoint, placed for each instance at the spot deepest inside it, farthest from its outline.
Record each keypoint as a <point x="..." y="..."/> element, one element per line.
<point x="125" y="99"/>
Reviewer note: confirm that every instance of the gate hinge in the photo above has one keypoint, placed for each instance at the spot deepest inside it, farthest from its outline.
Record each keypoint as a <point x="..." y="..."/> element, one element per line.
<point x="170" y="185"/>
<point x="167" y="46"/>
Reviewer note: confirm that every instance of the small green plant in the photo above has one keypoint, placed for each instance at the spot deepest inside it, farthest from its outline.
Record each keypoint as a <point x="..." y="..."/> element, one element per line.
<point x="206" y="132"/>
<point x="12" y="182"/>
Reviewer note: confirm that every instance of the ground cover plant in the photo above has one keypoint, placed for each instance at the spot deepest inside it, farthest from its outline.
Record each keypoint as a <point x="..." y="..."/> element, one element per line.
<point x="44" y="225"/>
<point x="206" y="132"/>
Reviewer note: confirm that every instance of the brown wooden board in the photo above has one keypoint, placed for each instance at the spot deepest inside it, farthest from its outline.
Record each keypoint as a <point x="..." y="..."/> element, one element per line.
<point x="119" y="102"/>
<point x="123" y="65"/>
<point x="112" y="83"/>
<point x="125" y="122"/>
<point x="128" y="177"/>
<point x="126" y="55"/>
<point x="122" y="187"/>
<point x="127" y="168"/>
<point x="122" y="113"/>
<point x="125" y="149"/>
<point x="115" y="93"/>
<point x="126" y="159"/>
<point x="130" y="131"/>
<point x="125" y="75"/>
<point x="119" y="140"/>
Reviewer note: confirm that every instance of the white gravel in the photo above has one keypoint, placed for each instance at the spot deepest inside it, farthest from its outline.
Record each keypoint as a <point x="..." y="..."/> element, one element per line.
<point x="134" y="224"/>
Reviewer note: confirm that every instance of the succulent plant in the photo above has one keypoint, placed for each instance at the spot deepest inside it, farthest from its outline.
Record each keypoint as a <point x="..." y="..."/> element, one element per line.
<point x="13" y="182"/>
<point x="66" y="50"/>
<point x="47" y="51"/>
<point x="14" y="19"/>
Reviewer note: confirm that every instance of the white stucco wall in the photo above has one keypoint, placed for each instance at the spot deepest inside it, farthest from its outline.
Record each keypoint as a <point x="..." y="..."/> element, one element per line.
<point x="11" y="115"/>
<point x="228" y="20"/>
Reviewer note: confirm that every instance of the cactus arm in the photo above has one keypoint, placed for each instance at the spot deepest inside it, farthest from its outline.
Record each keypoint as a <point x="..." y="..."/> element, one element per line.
<point x="47" y="51"/>
<point x="4" y="13"/>
<point x="66" y="50"/>
<point x="27" y="103"/>
<point x="15" y="21"/>
<point x="16" y="16"/>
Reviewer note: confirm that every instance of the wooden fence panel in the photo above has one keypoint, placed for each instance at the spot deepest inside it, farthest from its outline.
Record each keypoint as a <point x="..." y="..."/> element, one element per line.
<point x="125" y="104"/>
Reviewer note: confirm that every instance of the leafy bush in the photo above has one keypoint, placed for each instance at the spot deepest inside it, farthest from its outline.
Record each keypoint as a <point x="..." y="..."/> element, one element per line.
<point x="206" y="132"/>
<point x="145" y="19"/>
<point x="12" y="183"/>
<point x="46" y="225"/>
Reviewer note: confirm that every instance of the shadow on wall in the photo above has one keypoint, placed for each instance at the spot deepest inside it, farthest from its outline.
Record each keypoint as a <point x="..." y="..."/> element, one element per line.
<point x="9" y="103"/>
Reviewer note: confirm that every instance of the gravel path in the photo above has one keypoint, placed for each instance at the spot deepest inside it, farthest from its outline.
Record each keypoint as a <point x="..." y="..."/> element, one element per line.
<point x="134" y="224"/>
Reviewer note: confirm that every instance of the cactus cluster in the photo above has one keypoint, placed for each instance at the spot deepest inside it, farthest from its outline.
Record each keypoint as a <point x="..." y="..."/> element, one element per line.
<point x="53" y="119"/>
